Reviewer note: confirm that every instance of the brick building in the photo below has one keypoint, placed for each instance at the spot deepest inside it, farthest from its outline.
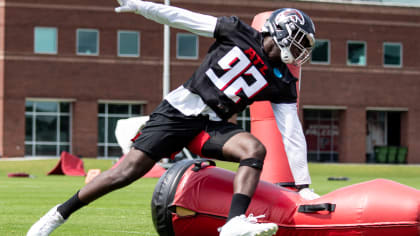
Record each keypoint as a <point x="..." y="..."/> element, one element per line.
<point x="70" y="69"/>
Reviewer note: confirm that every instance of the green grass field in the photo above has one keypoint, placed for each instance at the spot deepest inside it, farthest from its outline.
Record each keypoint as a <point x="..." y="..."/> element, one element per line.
<point x="127" y="211"/>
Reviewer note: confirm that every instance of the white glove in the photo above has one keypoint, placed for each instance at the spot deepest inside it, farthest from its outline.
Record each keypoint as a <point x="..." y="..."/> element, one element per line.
<point x="126" y="6"/>
<point x="308" y="194"/>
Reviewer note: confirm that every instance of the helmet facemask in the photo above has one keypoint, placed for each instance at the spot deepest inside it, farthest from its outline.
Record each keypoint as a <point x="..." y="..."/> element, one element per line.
<point x="295" y="43"/>
<point x="296" y="48"/>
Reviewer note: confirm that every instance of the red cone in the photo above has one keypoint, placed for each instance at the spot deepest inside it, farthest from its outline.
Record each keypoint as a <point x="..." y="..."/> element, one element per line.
<point x="263" y="126"/>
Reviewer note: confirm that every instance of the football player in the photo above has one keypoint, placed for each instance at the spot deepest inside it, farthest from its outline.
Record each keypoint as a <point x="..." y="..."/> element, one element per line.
<point x="242" y="66"/>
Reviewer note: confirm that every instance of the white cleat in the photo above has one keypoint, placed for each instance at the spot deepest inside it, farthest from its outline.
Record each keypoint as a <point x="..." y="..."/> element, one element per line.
<point x="308" y="194"/>
<point x="48" y="223"/>
<point x="247" y="226"/>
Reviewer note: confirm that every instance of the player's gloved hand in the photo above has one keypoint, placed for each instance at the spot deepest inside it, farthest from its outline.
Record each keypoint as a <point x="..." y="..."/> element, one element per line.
<point x="308" y="194"/>
<point x="126" y="6"/>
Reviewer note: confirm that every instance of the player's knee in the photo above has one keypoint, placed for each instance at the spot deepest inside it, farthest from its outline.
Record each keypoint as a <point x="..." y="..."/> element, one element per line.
<point x="257" y="150"/>
<point x="252" y="162"/>
<point x="255" y="155"/>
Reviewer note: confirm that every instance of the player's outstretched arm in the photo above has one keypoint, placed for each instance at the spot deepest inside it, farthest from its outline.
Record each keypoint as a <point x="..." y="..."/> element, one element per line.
<point x="203" y="25"/>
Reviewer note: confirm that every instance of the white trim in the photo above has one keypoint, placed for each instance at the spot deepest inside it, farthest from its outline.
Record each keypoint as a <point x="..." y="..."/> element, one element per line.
<point x="56" y="40"/>
<point x="50" y="99"/>
<point x="322" y="107"/>
<point x="123" y="102"/>
<point x="118" y="43"/>
<point x="347" y="52"/>
<point x="328" y="62"/>
<point x="196" y="46"/>
<point x="115" y="115"/>
<point x="97" y="41"/>
<point x="401" y="54"/>
<point x="387" y="109"/>
<point x="40" y="113"/>
<point x="51" y="143"/>
<point x="108" y="144"/>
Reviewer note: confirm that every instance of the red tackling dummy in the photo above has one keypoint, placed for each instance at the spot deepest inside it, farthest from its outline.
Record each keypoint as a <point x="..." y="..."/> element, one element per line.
<point x="193" y="198"/>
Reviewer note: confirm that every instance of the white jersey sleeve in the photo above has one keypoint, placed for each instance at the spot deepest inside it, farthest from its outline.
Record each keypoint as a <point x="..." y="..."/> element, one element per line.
<point x="200" y="24"/>
<point x="294" y="140"/>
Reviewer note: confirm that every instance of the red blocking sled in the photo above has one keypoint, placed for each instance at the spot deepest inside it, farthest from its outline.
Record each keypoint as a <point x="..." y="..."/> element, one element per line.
<point x="193" y="198"/>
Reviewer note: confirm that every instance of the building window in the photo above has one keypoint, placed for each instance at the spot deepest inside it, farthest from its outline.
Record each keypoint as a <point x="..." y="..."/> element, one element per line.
<point x="383" y="132"/>
<point x="128" y="43"/>
<point x="187" y="46"/>
<point x="356" y="53"/>
<point x="45" y="40"/>
<point x="108" y="116"/>
<point x="87" y="42"/>
<point x="321" y="52"/>
<point x="47" y="128"/>
<point x="321" y="129"/>
<point x="244" y="120"/>
<point x="392" y="54"/>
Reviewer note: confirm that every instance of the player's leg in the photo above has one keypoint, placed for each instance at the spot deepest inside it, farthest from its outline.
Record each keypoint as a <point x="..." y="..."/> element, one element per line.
<point x="229" y="143"/>
<point x="162" y="136"/>
<point x="133" y="166"/>
<point x="250" y="153"/>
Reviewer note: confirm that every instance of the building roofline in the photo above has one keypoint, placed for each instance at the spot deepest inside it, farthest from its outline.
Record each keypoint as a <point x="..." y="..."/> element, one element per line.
<point x="327" y="5"/>
<point x="368" y="3"/>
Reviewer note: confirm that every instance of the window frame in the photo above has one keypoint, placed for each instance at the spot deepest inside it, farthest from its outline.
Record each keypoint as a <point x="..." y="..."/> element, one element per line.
<point x="97" y="41"/>
<point x="119" y="40"/>
<point x="242" y="119"/>
<point x="334" y="116"/>
<point x="328" y="62"/>
<point x="56" y="40"/>
<point x="196" y="47"/>
<point x="106" y="144"/>
<point x="56" y="114"/>
<point x="365" y="53"/>
<point x="401" y="54"/>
